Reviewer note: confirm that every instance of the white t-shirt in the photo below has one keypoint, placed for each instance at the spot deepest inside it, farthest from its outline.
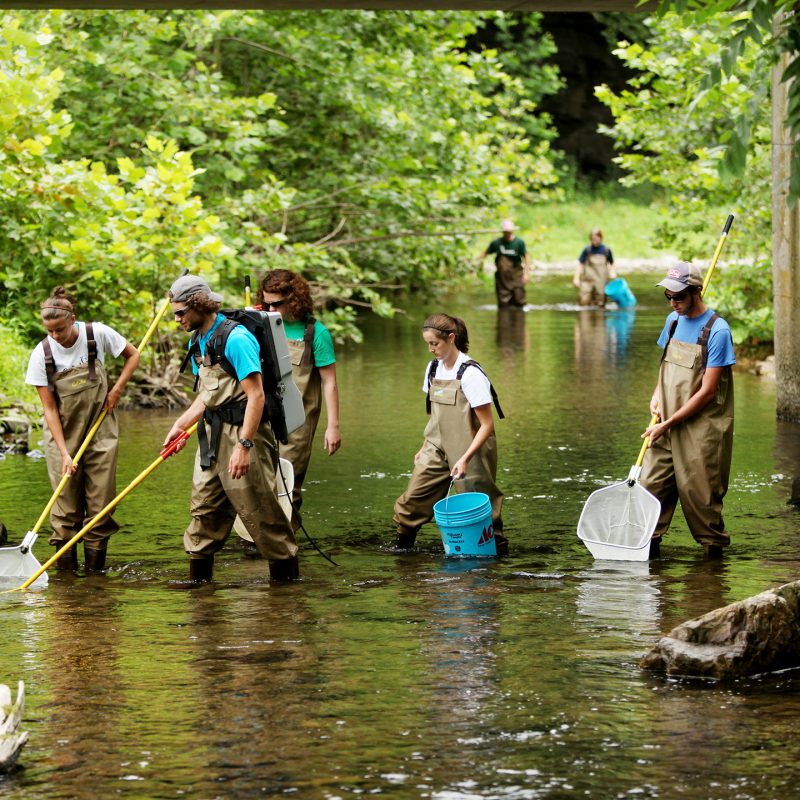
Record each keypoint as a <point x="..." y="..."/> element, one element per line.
<point x="108" y="341"/>
<point x="474" y="383"/>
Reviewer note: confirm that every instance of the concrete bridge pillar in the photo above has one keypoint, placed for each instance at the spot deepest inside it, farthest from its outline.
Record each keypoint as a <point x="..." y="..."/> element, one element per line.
<point x="785" y="257"/>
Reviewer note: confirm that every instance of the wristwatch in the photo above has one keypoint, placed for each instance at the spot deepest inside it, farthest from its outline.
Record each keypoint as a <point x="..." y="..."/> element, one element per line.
<point x="246" y="443"/>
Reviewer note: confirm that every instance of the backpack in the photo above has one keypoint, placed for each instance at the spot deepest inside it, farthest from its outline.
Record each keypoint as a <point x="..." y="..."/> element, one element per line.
<point x="283" y="403"/>
<point x="470" y="363"/>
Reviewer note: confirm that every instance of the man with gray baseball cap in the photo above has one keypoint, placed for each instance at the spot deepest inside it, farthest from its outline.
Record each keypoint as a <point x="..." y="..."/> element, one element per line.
<point x="689" y="457"/>
<point x="237" y="457"/>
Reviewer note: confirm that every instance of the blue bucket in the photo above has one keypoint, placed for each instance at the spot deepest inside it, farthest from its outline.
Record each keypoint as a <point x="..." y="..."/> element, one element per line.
<point x="465" y="522"/>
<point x="619" y="291"/>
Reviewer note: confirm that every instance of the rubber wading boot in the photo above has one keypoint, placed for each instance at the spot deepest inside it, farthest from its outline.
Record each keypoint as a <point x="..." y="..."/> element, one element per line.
<point x="69" y="561"/>
<point x="405" y="540"/>
<point x="201" y="569"/>
<point x="655" y="549"/>
<point x="712" y="551"/>
<point x="95" y="559"/>
<point x="287" y="569"/>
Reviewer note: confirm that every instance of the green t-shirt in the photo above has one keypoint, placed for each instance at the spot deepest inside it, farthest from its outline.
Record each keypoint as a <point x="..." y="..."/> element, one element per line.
<point x="323" y="343"/>
<point x="515" y="249"/>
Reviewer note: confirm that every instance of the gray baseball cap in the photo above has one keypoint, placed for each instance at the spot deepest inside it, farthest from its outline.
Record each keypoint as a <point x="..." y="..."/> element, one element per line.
<point x="187" y="285"/>
<point x="683" y="274"/>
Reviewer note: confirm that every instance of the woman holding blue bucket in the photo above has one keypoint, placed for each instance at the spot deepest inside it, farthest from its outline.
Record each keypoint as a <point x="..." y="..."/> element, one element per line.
<point x="459" y="438"/>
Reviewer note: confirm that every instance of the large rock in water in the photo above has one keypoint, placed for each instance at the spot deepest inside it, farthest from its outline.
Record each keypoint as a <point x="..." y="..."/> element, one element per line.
<point x="12" y="740"/>
<point x="759" y="634"/>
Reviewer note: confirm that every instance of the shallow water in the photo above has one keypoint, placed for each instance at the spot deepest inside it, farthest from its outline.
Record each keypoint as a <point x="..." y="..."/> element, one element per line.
<point x="412" y="675"/>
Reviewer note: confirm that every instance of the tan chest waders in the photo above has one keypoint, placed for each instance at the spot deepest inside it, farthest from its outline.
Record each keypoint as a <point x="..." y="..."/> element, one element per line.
<point x="308" y="380"/>
<point x="217" y="497"/>
<point x="692" y="461"/>
<point x="594" y="277"/>
<point x="448" y="435"/>
<point x="81" y="393"/>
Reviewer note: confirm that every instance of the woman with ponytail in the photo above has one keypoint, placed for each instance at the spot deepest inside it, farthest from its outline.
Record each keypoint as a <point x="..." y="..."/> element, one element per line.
<point x="68" y="370"/>
<point x="459" y="438"/>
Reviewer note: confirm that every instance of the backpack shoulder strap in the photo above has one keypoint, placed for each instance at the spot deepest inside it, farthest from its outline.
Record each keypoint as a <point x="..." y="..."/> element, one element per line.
<point x="431" y="372"/>
<point x="215" y="347"/>
<point x="702" y="339"/>
<point x="308" y="343"/>
<point x="495" y="399"/>
<point x="91" y="345"/>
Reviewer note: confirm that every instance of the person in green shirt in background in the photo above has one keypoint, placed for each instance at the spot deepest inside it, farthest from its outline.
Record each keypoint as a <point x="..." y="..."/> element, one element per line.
<point x="313" y="368"/>
<point x="513" y="267"/>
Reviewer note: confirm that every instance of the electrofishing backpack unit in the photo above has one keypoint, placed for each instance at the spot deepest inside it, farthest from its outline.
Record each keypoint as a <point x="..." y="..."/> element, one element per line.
<point x="283" y="403"/>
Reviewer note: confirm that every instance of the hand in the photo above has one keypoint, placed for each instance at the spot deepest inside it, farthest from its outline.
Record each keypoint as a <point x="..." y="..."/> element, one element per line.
<point x="174" y="431"/>
<point x="526" y="278"/>
<point x="333" y="439"/>
<point x="68" y="467"/>
<point x="417" y="456"/>
<point x="112" y="398"/>
<point x="576" y="283"/>
<point x="654" y="409"/>
<point x="459" y="469"/>
<point x="655" y="432"/>
<point x="239" y="465"/>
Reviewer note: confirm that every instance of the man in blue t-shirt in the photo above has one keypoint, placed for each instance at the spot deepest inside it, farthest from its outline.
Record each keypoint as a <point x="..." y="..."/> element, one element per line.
<point x="691" y="445"/>
<point x="236" y="461"/>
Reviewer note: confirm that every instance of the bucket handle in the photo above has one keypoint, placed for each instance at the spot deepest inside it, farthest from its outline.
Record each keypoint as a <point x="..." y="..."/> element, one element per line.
<point x="447" y="496"/>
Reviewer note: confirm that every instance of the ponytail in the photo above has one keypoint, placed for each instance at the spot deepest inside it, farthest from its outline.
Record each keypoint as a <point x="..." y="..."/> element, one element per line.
<point x="444" y="324"/>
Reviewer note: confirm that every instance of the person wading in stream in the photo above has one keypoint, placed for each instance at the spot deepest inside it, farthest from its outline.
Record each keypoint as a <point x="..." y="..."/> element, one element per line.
<point x="459" y="438"/>
<point x="237" y="457"/>
<point x="689" y="457"/>
<point x="595" y="269"/>
<point x="68" y="370"/>
<point x="513" y="265"/>
<point x="313" y="368"/>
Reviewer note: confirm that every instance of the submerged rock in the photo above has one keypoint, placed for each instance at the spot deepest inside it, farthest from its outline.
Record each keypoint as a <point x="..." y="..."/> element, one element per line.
<point x="756" y="635"/>
<point x="11" y="740"/>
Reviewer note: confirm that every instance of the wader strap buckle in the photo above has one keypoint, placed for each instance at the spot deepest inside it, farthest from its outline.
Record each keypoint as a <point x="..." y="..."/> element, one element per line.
<point x="233" y="414"/>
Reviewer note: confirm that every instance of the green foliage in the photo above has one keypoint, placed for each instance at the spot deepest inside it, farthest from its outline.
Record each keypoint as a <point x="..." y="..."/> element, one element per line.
<point x="355" y="147"/>
<point x="674" y="137"/>
<point x="12" y="369"/>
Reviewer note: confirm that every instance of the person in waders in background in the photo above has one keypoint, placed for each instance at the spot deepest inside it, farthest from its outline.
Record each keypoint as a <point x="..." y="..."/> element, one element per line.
<point x="68" y="370"/>
<point x="313" y="368"/>
<point x="689" y="457"/>
<point x="237" y="456"/>
<point x="595" y="269"/>
<point x="513" y="267"/>
<point x="459" y="439"/>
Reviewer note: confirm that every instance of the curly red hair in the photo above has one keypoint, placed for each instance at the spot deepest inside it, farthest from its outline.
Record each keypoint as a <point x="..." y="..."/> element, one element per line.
<point x="293" y="288"/>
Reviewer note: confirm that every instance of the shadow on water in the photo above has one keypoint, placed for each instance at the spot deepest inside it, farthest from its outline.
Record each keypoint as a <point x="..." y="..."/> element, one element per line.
<point x="412" y="675"/>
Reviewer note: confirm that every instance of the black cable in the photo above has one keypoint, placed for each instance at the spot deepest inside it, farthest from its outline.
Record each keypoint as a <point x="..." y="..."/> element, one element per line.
<point x="300" y="519"/>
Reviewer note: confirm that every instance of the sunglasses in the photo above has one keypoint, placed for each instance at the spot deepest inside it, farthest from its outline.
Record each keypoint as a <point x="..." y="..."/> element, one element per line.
<point x="678" y="298"/>
<point x="275" y="304"/>
<point x="180" y="313"/>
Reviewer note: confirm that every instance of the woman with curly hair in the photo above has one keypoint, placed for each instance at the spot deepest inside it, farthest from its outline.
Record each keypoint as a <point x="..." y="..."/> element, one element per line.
<point x="459" y="439"/>
<point x="313" y="368"/>
<point x="68" y="370"/>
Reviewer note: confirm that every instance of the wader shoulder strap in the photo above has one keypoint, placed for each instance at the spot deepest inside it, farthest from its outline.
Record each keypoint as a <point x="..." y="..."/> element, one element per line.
<point x="431" y="372"/>
<point x="233" y="414"/>
<point x="194" y="347"/>
<point x="671" y="333"/>
<point x="91" y="345"/>
<point x="702" y="339"/>
<point x="495" y="399"/>
<point x="308" y="344"/>
<point x="49" y="366"/>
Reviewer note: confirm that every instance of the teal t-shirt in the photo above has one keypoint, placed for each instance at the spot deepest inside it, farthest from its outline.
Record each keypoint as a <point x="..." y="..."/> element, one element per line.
<point x="241" y="349"/>
<point x="324" y="355"/>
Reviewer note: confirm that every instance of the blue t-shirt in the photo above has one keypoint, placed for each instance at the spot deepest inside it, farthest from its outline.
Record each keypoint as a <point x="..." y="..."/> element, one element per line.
<point x="241" y="349"/>
<point x="600" y="250"/>
<point x="720" y="341"/>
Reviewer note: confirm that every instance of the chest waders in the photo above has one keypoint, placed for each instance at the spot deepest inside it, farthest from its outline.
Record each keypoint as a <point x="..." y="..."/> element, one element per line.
<point x="691" y="462"/>
<point x="448" y="435"/>
<point x="308" y="380"/>
<point x="508" y="281"/>
<point x="217" y="497"/>
<point x="594" y="277"/>
<point x="80" y="393"/>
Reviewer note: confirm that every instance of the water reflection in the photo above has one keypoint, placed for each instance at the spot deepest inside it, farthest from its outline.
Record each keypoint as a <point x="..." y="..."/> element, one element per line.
<point x="511" y="331"/>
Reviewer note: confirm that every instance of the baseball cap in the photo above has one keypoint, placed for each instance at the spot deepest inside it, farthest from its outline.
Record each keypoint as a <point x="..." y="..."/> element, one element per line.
<point x="187" y="285"/>
<point x="683" y="274"/>
<point x="507" y="225"/>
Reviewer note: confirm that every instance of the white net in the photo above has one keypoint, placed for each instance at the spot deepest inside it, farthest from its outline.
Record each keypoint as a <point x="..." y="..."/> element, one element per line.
<point x="620" y="515"/>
